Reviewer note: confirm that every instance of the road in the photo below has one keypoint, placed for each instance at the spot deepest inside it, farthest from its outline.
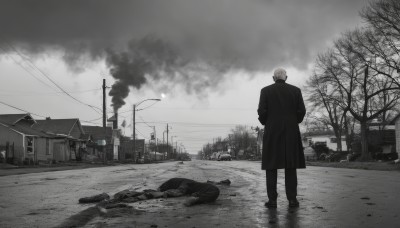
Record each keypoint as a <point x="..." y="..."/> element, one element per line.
<point x="329" y="197"/>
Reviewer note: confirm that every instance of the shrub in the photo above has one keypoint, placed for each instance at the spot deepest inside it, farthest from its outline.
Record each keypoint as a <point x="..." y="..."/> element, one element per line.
<point x="320" y="149"/>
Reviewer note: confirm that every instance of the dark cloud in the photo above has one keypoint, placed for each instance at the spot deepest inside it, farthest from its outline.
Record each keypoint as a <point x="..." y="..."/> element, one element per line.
<point x="190" y="41"/>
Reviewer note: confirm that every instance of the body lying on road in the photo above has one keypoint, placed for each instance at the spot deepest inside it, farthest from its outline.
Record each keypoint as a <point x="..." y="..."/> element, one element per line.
<point x="175" y="187"/>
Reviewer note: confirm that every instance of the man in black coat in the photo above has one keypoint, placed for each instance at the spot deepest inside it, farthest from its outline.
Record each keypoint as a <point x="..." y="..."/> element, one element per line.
<point x="281" y="109"/>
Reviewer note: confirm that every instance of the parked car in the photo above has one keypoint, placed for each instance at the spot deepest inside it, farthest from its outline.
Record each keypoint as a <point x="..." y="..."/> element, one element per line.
<point x="140" y="160"/>
<point x="225" y="157"/>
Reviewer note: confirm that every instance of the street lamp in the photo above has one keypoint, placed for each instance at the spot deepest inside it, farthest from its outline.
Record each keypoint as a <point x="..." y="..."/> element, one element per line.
<point x="134" y="127"/>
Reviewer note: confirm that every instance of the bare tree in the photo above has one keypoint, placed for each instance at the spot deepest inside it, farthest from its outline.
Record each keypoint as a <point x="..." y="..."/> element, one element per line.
<point x="324" y="109"/>
<point x="382" y="39"/>
<point x="363" y="87"/>
<point x="242" y="138"/>
<point x="360" y="74"/>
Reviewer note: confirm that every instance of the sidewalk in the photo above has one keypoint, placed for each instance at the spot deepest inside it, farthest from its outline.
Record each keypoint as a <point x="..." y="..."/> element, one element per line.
<point x="382" y="166"/>
<point x="8" y="169"/>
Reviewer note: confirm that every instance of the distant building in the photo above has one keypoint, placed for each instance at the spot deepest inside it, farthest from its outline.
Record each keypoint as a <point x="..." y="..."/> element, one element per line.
<point x="96" y="134"/>
<point x="21" y="142"/>
<point x="28" y="140"/>
<point x="323" y="137"/>
<point x="382" y="135"/>
<point x="68" y="129"/>
<point x="397" y="135"/>
<point x="126" y="150"/>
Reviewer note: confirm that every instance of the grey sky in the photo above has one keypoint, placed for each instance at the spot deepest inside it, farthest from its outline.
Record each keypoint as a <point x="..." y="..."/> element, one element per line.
<point x="216" y="55"/>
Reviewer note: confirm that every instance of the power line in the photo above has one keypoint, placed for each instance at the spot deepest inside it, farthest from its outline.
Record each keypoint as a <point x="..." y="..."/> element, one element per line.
<point x="141" y="134"/>
<point x="145" y="122"/>
<point x="27" y="59"/>
<point x="95" y="119"/>
<point x="125" y="111"/>
<point x="21" y="109"/>
<point x="198" y="124"/>
<point x="204" y="109"/>
<point x="195" y="109"/>
<point x="28" y="71"/>
<point x="20" y="93"/>
<point x="87" y="121"/>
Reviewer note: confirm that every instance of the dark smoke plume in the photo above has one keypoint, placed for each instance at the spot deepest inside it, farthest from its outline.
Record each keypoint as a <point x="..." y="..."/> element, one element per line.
<point x="145" y="57"/>
<point x="158" y="60"/>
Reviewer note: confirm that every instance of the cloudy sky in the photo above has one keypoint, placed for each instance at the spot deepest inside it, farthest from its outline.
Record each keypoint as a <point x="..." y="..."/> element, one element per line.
<point x="208" y="59"/>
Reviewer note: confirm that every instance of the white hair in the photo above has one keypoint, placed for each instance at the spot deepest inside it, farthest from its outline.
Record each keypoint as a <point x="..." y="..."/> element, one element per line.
<point x="280" y="73"/>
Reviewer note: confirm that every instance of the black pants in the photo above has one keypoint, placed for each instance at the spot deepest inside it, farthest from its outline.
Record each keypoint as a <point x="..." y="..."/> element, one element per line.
<point x="290" y="183"/>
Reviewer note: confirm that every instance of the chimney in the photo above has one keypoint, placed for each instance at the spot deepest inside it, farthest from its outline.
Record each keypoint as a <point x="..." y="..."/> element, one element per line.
<point x="115" y="123"/>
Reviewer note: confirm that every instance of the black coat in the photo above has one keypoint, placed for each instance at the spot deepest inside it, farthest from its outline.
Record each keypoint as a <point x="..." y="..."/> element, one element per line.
<point x="281" y="109"/>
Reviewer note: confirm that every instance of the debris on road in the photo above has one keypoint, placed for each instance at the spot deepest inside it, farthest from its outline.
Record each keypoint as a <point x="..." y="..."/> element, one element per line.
<point x="174" y="187"/>
<point x="125" y="194"/>
<point x="95" y="198"/>
<point x="117" y="205"/>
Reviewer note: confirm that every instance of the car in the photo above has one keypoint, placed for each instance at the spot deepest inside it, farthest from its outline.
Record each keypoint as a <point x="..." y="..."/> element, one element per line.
<point x="140" y="161"/>
<point x="225" y="157"/>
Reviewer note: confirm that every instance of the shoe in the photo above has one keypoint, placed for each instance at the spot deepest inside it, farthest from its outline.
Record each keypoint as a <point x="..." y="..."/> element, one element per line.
<point x="271" y="204"/>
<point x="294" y="203"/>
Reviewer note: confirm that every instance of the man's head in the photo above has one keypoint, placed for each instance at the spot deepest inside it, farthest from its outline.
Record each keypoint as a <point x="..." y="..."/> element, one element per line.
<point x="280" y="74"/>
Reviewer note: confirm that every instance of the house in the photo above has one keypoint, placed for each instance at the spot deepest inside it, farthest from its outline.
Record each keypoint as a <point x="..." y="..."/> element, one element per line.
<point x="68" y="137"/>
<point x="396" y="122"/>
<point x="112" y="137"/>
<point x="27" y="139"/>
<point x="126" y="150"/>
<point x="382" y="136"/>
<point x="20" y="141"/>
<point x="323" y="137"/>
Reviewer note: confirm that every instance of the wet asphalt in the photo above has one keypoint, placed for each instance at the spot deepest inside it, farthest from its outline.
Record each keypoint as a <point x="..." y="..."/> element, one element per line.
<point x="329" y="197"/>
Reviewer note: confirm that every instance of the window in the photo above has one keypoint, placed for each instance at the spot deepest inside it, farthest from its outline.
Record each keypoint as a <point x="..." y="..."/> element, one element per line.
<point x="29" y="144"/>
<point x="47" y="146"/>
<point x="334" y="140"/>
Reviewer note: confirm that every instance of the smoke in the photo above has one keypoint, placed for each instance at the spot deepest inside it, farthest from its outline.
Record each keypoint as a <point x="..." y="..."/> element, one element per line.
<point x="155" y="59"/>
<point x="188" y="42"/>
<point x="145" y="57"/>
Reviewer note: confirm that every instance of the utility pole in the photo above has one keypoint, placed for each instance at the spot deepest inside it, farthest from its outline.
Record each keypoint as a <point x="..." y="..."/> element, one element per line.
<point x="155" y="140"/>
<point x="134" y="133"/>
<point x="104" y="119"/>
<point x="167" y="141"/>
<point x="163" y="143"/>
<point x="104" y="104"/>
